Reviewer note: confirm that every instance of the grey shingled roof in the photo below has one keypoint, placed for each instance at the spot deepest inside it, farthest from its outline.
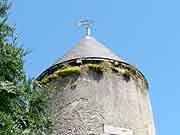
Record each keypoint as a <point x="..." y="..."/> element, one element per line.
<point x="88" y="47"/>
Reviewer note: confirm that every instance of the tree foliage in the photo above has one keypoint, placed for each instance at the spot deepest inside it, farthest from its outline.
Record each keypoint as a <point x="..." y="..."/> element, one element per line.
<point x="23" y="102"/>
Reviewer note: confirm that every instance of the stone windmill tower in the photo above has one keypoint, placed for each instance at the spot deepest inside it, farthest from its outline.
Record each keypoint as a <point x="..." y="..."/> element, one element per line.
<point x="94" y="92"/>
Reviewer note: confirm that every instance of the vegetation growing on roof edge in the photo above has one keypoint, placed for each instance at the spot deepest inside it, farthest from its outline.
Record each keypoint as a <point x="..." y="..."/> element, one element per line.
<point x="61" y="72"/>
<point x="122" y="69"/>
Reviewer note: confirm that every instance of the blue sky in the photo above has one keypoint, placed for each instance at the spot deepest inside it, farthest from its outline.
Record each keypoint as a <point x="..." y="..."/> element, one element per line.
<point x="145" y="33"/>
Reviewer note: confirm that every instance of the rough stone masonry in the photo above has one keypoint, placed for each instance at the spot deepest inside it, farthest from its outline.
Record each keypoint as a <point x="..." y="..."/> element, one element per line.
<point x="101" y="104"/>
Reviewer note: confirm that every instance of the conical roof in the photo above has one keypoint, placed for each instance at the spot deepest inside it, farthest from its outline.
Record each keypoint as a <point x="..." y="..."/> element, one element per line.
<point x="88" y="47"/>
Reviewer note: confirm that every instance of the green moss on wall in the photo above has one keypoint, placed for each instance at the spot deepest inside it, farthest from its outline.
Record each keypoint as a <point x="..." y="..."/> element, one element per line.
<point x="122" y="69"/>
<point x="68" y="71"/>
<point x="61" y="72"/>
<point x="95" y="67"/>
<point x="119" y="70"/>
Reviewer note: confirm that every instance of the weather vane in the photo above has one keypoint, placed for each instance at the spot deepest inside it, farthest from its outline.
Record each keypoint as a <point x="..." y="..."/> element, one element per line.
<point x="86" y="23"/>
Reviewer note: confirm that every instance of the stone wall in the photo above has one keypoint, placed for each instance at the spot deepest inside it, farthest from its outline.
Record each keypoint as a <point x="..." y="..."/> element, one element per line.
<point x="101" y="104"/>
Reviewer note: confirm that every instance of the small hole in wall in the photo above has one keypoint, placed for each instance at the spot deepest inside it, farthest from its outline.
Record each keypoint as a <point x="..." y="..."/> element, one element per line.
<point x="73" y="86"/>
<point x="126" y="77"/>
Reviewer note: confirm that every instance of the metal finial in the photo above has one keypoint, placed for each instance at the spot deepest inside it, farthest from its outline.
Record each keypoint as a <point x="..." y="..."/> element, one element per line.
<point x="86" y="24"/>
